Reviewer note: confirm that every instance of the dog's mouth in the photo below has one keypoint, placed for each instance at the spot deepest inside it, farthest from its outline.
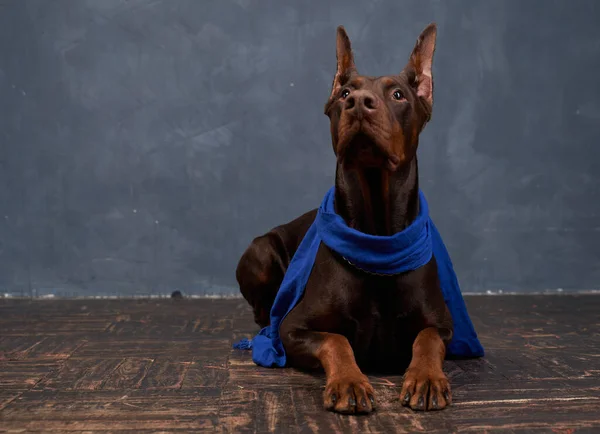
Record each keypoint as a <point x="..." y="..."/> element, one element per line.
<point x="361" y="147"/>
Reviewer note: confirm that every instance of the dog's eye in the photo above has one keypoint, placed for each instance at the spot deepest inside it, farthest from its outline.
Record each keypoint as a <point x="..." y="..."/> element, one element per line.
<point x="398" y="95"/>
<point x="345" y="93"/>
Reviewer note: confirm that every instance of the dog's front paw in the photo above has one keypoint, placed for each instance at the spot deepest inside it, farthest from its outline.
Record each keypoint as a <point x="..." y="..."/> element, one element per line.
<point x="349" y="394"/>
<point x="425" y="389"/>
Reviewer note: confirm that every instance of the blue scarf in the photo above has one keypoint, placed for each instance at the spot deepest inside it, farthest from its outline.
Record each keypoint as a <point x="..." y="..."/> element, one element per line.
<point x="405" y="251"/>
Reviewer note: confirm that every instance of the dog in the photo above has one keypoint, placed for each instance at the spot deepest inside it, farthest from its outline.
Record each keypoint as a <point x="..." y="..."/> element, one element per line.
<point x="349" y="320"/>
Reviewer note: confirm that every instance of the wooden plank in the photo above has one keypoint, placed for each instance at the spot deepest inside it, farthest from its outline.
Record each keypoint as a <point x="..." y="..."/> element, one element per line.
<point x="502" y="366"/>
<point x="390" y="416"/>
<point x="56" y="348"/>
<point x="18" y="347"/>
<point x="107" y="404"/>
<point x="243" y="372"/>
<point x="112" y="411"/>
<point x="166" y="373"/>
<point x="573" y="364"/>
<point x="208" y="325"/>
<point x="237" y="410"/>
<point x="54" y="326"/>
<point x="159" y="347"/>
<point x="505" y="416"/>
<point x="183" y="425"/>
<point x="80" y="374"/>
<point x="274" y="411"/>
<point x="24" y="375"/>
<point x="6" y="397"/>
<point x="123" y="348"/>
<point x="168" y="366"/>
<point x="517" y="388"/>
<point x="264" y="378"/>
<point x="206" y="373"/>
<point x="129" y="374"/>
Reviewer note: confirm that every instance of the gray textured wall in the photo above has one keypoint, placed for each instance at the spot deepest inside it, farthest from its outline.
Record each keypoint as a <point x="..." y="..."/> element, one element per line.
<point x="144" y="143"/>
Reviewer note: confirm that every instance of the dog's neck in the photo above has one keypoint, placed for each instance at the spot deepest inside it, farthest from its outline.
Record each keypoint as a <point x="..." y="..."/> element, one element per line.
<point x="376" y="201"/>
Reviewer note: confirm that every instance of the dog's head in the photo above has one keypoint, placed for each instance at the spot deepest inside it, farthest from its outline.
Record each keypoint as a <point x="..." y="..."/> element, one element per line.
<point x="376" y="121"/>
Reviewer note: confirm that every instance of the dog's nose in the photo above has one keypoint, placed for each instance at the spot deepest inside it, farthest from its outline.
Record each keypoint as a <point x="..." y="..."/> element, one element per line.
<point x="361" y="101"/>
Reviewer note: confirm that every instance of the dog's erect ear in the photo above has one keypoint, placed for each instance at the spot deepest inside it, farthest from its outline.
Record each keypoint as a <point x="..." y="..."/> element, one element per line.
<point x="345" y="61"/>
<point x="420" y="63"/>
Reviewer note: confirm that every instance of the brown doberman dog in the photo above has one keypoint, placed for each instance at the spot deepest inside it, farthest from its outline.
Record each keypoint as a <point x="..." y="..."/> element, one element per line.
<point x="348" y="318"/>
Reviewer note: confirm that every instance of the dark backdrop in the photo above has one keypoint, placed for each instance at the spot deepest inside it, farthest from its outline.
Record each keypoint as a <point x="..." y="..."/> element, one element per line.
<point x="144" y="143"/>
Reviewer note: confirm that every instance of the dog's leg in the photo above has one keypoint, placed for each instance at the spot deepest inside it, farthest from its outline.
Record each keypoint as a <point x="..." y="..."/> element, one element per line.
<point x="347" y="389"/>
<point x="259" y="274"/>
<point x="261" y="268"/>
<point x="425" y="384"/>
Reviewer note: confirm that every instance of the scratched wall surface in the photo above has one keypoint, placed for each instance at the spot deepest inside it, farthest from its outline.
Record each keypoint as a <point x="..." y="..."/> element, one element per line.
<point x="144" y="143"/>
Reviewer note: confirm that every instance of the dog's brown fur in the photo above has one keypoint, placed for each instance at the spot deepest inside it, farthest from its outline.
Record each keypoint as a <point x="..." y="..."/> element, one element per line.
<point x="348" y="319"/>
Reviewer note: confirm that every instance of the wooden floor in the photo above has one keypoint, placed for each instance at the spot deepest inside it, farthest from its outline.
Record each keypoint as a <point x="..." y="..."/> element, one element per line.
<point x="167" y="366"/>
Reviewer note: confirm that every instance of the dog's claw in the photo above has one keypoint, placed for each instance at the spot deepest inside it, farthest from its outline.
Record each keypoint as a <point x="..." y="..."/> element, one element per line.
<point x="349" y="395"/>
<point x="447" y="396"/>
<point x="425" y="389"/>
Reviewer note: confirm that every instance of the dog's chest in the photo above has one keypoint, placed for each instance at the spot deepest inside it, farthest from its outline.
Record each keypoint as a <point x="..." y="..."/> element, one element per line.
<point x="384" y="321"/>
<point x="380" y="316"/>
